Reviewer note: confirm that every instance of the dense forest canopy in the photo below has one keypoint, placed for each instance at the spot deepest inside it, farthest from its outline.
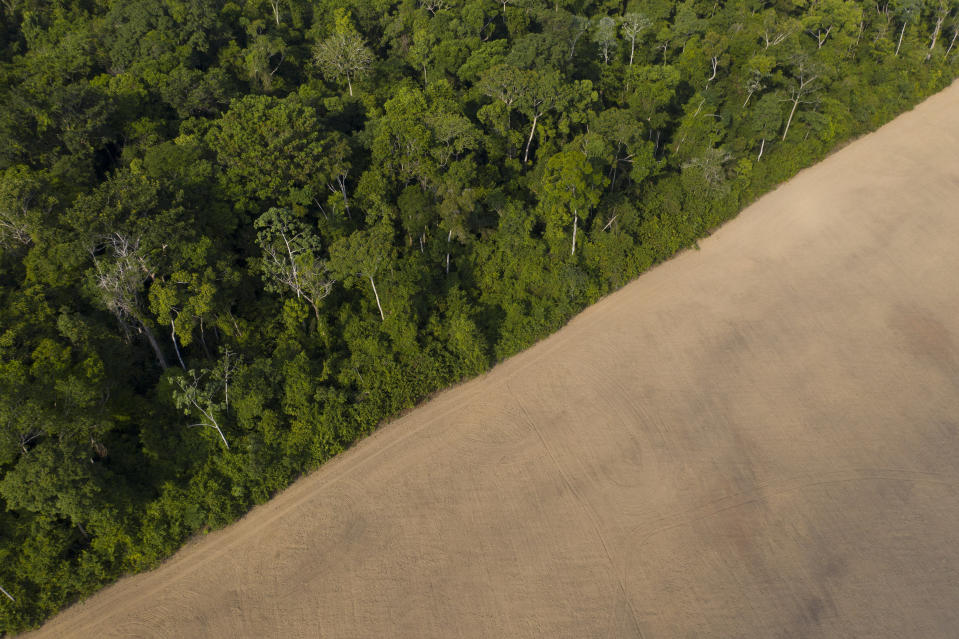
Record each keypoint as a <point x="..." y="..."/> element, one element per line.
<point x="235" y="236"/>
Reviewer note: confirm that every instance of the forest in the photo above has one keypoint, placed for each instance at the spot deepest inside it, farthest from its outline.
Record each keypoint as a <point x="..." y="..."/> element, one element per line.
<point x="237" y="236"/>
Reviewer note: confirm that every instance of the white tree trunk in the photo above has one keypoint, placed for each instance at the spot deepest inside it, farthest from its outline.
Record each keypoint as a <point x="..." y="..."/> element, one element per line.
<point x="156" y="346"/>
<point x="901" y="33"/>
<point x="295" y="283"/>
<point x="449" y="238"/>
<point x="715" y="62"/>
<point x="220" y="433"/>
<point x="821" y="37"/>
<point x="575" y="225"/>
<point x="762" y="147"/>
<point x="175" y="347"/>
<point x="952" y="42"/>
<point x="349" y="84"/>
<point x="377" y="296"/>
<point x="346" y="202"/>
<point x="9" y="596"/>
<point x="935" y="34"/>
<point x="210" y="423"/>
<point x="529" y="141"/>
<point x="790" y="120"/>
<point x="226" y="382"/>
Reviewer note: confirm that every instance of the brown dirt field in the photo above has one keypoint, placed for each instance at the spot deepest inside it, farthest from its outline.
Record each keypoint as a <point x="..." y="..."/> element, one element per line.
<point x="757" y="439"/>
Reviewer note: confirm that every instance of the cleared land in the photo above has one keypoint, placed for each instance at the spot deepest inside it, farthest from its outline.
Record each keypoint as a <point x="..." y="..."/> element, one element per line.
<point x="757" y="439"/>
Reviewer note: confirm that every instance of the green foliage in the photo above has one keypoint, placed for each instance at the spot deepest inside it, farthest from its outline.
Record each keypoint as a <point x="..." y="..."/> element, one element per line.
<point x="291" y="258"/>
<point x="343" y="55"/>
<point x="441" y="183"/>
<point x="570" y="188"/>
<point x="270" y="150"/>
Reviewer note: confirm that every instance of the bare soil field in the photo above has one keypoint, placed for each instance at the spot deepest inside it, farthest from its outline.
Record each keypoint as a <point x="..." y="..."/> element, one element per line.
<point x="756" y="439"/>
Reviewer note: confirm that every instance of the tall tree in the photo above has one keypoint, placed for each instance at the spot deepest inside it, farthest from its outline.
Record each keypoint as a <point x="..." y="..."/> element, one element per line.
<point x="120" y="274"/>
<point x="634" y="24"/>
<point x="941" y="10"/>
<point x="764" y="120"/>
<point x="908" y="12"/>
<point x="205" y="395"/>
<point x="291" y="258"/>
<point x="343" y="55"/>
<point x="604" y="35"/>
<point x="801" y="87"/>
<point x="569" y="189"/>
<point x="361" y="256"/>
<point x="271" y="150"/>
<point x="24" y="201"/>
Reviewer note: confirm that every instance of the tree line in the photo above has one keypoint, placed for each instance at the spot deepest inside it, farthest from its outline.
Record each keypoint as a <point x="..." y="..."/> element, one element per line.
<point x="236" y="236"/>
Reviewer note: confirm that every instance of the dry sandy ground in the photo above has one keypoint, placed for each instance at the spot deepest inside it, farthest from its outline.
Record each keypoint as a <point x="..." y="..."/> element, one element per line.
<point x="757" y="439"/>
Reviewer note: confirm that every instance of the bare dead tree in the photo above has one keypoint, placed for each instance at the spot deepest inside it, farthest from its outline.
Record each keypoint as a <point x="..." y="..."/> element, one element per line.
<point x="196" y="396"/>
<point x="802" y="87"/>
<point x="955" y="34"/>
<point x="22" y="196"/>
<point x="24" y="439"/>
<point x="633" y="26"/>
<point x="902" y="33"/>
<point x="774" y="38"/>
<point x="433" y="6"/>
<point x="227" y="369"/>
<point x="340" y="180"/>
<point x="774" y="31"/>
<point x="291" y="258"/>
<point x="13" y="228"/>
<point x="820" y="36"/>
<point x="714" y="61"/>
<point x="882" y="10"/>
<point x="942" y="12"/>
<point x="712" y="164"/>
<point x="855" y="45"/>
<point x="754" y="84"/>
<point x="120" y="281"/>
